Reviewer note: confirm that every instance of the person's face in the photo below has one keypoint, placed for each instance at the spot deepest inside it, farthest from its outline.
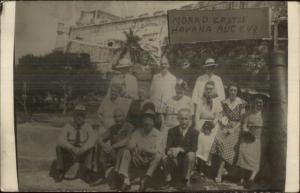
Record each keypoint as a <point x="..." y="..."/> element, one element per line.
<point x="79" y="118"/>
<point x="233" y="92"/>
<point x="164" y="64"/>
<point x="210" y="70"/>
<point x="179" y="91"/>
<point x="114" y="93"/>
<point x="148" y="124"/>
<point x="209" y="89"/>
<point x="124" y="70"/>
<point x="184" y="119"/>
<point x="118" y="117"/>
<point x="259" y="104"/>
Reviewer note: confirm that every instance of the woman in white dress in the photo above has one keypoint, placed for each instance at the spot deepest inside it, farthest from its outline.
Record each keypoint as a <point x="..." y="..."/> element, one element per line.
<point x="206" y="119"/>
<point x="250" y="150"/>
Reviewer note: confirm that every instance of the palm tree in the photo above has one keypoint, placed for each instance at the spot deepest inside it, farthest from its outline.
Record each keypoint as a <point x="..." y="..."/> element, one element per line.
<point x="132" y="46"/>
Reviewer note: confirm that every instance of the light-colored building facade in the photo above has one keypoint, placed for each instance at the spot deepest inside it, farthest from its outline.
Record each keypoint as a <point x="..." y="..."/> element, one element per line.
<point x="101" y="34"/>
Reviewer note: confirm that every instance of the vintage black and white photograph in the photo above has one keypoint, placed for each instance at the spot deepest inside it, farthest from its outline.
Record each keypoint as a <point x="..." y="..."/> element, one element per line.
<point x="151" y="95"/>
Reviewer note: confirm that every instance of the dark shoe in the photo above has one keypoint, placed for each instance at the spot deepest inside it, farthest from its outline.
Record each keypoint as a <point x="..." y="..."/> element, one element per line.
<point x="111" y="180"/>
<point x="72" y="172"/>
<point x="249" y="184"/>
<point x="59" y="177"/>
<point x="185" y="185"/>
<point x="144" y="183"/>
<point x="125" y="188"/>
<point x="98" y="182"/>
<point x="167" y="185"/>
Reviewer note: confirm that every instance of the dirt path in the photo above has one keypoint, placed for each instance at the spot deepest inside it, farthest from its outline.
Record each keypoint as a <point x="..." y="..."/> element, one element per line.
<point x="36" y="149"/>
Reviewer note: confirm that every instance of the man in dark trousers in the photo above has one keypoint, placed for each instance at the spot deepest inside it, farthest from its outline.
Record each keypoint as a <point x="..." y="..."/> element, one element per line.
<point x="181" y="146"/>
<point x="113" y="142"/>
<point x="75" y="148"/>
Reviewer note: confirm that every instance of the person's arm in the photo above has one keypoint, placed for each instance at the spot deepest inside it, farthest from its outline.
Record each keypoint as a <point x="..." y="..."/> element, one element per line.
<point x="193" y="146"/>
<point x="165" y="111"/>
<point x="244" y="124"/>
<point x="104" y="136"/>
<point x="173" y="86"/>
<point x="152" y="88"/>
<point x="62" y="140"/>
<point x="197" y="115"/>
<point x="91" y="140"/>
<point x="125" y="141"/>
<point x="217" y="112"/>
<point x="156" y="147"/>
<point x="132" y="143"/>
<point x="135" y="89"/>
<point x="169" y="141"/>
<point x="100" y="114"/>
<point x="220" y="89"/>
<point x="196" y="92"/>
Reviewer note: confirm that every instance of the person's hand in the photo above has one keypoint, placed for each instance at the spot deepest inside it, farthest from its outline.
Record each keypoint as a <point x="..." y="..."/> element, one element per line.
<point x="135" y="150"/>
<point x="180" y="149"/>
<point x="245" y="129"/>
<point x="75" y="150"/>
<point x="107" y="148"/>
<point x="176" y="151"/>
<point x="170" y="153"/>
<point x="81" y="151"/>
<point x="137" y="159"/>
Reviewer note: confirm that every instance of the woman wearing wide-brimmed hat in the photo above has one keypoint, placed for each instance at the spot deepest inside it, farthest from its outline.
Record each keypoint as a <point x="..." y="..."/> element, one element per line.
<point x="250" y="147"/>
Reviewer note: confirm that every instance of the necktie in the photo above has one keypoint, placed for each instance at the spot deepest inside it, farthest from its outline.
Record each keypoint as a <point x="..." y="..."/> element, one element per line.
<point x="77" y="139"/>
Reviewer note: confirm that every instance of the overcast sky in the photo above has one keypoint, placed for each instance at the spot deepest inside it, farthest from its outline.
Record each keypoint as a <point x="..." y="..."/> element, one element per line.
<point x="36" y="21"/>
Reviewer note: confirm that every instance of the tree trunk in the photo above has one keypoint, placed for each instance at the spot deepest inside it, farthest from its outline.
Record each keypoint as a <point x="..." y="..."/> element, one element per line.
<point x="25" y="87"/>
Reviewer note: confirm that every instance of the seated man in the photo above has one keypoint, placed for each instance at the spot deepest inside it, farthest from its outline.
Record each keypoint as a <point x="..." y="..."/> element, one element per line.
<point x="144" y="152"/>
<point x="181" y="148"/>
<point x="113" y="142"/>
<point x="75" y="146"/>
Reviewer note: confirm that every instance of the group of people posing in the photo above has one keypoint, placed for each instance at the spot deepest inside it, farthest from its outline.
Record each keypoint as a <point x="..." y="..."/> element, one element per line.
<point x="163" y="130"/>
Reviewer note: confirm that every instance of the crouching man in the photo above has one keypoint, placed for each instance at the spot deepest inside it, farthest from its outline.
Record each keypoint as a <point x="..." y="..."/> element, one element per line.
<point x="181" y="146"/>
<point x="75" y="148"/>
<point x="144" y="153"/>
<point x="113" y="142"/>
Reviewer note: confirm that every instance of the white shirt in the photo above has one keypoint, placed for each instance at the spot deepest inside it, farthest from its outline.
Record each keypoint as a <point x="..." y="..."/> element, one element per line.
<point x="148" y="143"/>
<point x="172" y="108"/>
<point x="107" y="108"/>
<point x="162" y="89"/>
<point x="200" y="86"/>
<point x="87" y="139"/>
<point x="184" y="131"/>
<point x="129" y="84"/>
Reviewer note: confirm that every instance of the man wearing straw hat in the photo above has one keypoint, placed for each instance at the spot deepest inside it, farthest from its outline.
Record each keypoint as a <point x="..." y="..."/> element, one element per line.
<point x="75" y="147"/>
<point x="125" y="79"/>
<point x="209" y="75"/>
<point x="144" y="153"/>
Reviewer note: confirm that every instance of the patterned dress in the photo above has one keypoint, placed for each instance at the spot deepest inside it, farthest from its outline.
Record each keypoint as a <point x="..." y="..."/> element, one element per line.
<point x="225" y="144"/>
<point x="250" y="153"/>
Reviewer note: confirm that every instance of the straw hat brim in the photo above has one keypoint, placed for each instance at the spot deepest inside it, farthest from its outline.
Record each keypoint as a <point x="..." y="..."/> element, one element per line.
<point x="209" y="65"/>
<point x="123" y="66"/>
